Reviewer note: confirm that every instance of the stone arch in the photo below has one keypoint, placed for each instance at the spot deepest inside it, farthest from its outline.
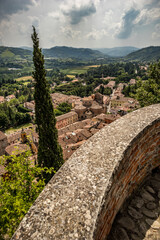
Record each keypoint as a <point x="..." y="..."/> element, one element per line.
<point x="83" y="198"/>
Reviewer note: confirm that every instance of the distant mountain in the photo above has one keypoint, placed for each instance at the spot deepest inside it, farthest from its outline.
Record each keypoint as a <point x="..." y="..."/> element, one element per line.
<point x="145" y="54"/>
<point x="14" y="53"/>
<point x="70" y="52"/>
<point x="117" y="51"/>
<point x="28" y="48"/>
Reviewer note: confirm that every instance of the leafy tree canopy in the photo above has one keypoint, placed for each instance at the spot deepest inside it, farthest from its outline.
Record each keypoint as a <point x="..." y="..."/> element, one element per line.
<point x="148" y="91"/>
<point x="19" y="189"/>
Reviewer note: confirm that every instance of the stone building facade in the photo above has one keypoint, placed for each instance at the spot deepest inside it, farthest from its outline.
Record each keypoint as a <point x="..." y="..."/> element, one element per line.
<point x="3" y="143"/>
<point x="90" y="107"/>
<point x="66" y="119"/>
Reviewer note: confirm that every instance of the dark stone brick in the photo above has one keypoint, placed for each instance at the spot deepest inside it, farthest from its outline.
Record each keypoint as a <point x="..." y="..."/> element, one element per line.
<point x="127" y="223"/>
<point x="149" y="213"/>
<point x="151" y="205"/>
<point x="134" y="213"/>
<point x="120" y="234"/>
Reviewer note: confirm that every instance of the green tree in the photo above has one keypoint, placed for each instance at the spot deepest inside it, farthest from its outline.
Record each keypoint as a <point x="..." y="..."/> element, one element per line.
<point x="19" y="189"/>
<point x="29" y="98"/>
<point x="4" y="121"/>
<point x="11" y="115"/>
<point x="49" y="151"/>
<point x="148" y="91"/>
<point x="64" y="107"/>
<point x="22" y="118"/>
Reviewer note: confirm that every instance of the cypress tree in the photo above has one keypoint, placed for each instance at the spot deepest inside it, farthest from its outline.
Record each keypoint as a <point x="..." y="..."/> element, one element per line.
<point x="49" y="151"/>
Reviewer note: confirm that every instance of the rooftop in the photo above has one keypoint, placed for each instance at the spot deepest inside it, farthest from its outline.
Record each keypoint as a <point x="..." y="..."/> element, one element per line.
<point x="2" y="136"/>
<point x="16" y="149"/>
<point x="66" y="115"/>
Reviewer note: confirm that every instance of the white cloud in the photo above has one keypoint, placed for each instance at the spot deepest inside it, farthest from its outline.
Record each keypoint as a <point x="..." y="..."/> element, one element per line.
<point x="108" y="18"/>
<point x="156" y="34"/>
<point x="87" y="23"/>
<point x="148" y="16"/>
<point x="68" y="32"/>
<point x="97" y="34"/>
<point x="34" y="21"/>
<point x="22" y="28"/>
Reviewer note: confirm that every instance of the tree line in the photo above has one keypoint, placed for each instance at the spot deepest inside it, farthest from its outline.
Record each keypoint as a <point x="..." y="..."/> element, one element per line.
<point x="146" y="92"/>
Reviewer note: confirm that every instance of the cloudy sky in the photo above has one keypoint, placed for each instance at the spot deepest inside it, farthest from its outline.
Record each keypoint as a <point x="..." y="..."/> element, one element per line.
<point x="81" y="23"/>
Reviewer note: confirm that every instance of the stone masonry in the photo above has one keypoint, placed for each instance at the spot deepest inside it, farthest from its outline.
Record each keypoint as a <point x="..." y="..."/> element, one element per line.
<point x="139" y="218"/>
<point x="3" y="143"/>
<point x="82" y="199"/>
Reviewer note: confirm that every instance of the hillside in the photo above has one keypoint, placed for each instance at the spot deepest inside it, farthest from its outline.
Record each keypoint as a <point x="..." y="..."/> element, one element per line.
<point x="145" y="54"/>
<point x="70" y="52"/>
<point x="14" y="53"/>
<point x="118" y="51"/>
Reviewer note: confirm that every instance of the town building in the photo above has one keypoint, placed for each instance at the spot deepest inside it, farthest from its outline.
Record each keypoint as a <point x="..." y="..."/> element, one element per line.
<point x="107" y="118"/>
<point x="90" y="107"/>
<point x="128" y="103"/>
<point x="66" y="119"/>
<point x="3" y="143"/>
<point x="30" y="105"/>
<point x="2" y="99"/>
<point x="58" y="98"/>
<point x="132" y="81"/>
<point x="9" y="97"/>
<point x="16" y="149"/>
<point x="111" y="84"/>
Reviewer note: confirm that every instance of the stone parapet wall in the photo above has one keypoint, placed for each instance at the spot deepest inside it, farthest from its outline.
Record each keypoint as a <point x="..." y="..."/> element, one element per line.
<point x="83" y="198"/>
<point x="141" y="156"/>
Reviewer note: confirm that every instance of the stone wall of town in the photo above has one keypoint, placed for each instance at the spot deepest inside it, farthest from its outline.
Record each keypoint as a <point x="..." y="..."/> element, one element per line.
<point x="3" y="143"/>
<point x="83" y="198"/>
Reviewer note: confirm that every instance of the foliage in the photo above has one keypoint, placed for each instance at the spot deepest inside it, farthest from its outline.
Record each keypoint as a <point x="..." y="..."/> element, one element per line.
<point x="11" y="52"/>
<point x="146" y="92"/>
<point x="130" y="90"/>
<point x="49" y="150"/>
<point x="13" y="116"/>
<point x="145" y="54"/>
<point x="22" y="118"/>
<point x="4" y="121"/>
<point x="23" y="109"/>
<point x="105" y="91"/>
<point x="19" y="189"/>
<point x="57" y="112"/>
<point x="70" y="52"/>
<point x="64" y="107"/>
<point x="149" y="91"/>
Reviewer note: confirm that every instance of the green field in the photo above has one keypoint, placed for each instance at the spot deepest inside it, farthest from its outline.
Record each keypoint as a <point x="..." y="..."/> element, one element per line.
<point x="77" y="70"/>
<point x="24" y="78"/>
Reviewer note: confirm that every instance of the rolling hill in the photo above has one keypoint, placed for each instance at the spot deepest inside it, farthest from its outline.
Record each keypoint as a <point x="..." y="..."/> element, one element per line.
<point x="14" y="53"/>
<point x="70" y="52"/>
<point x="145" y="54"/>
<point x="55" y="52"/>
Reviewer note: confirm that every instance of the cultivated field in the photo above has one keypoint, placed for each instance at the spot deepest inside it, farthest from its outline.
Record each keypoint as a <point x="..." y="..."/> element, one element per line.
<point x="71" y="72"/>
<point x="24" y="78"/>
